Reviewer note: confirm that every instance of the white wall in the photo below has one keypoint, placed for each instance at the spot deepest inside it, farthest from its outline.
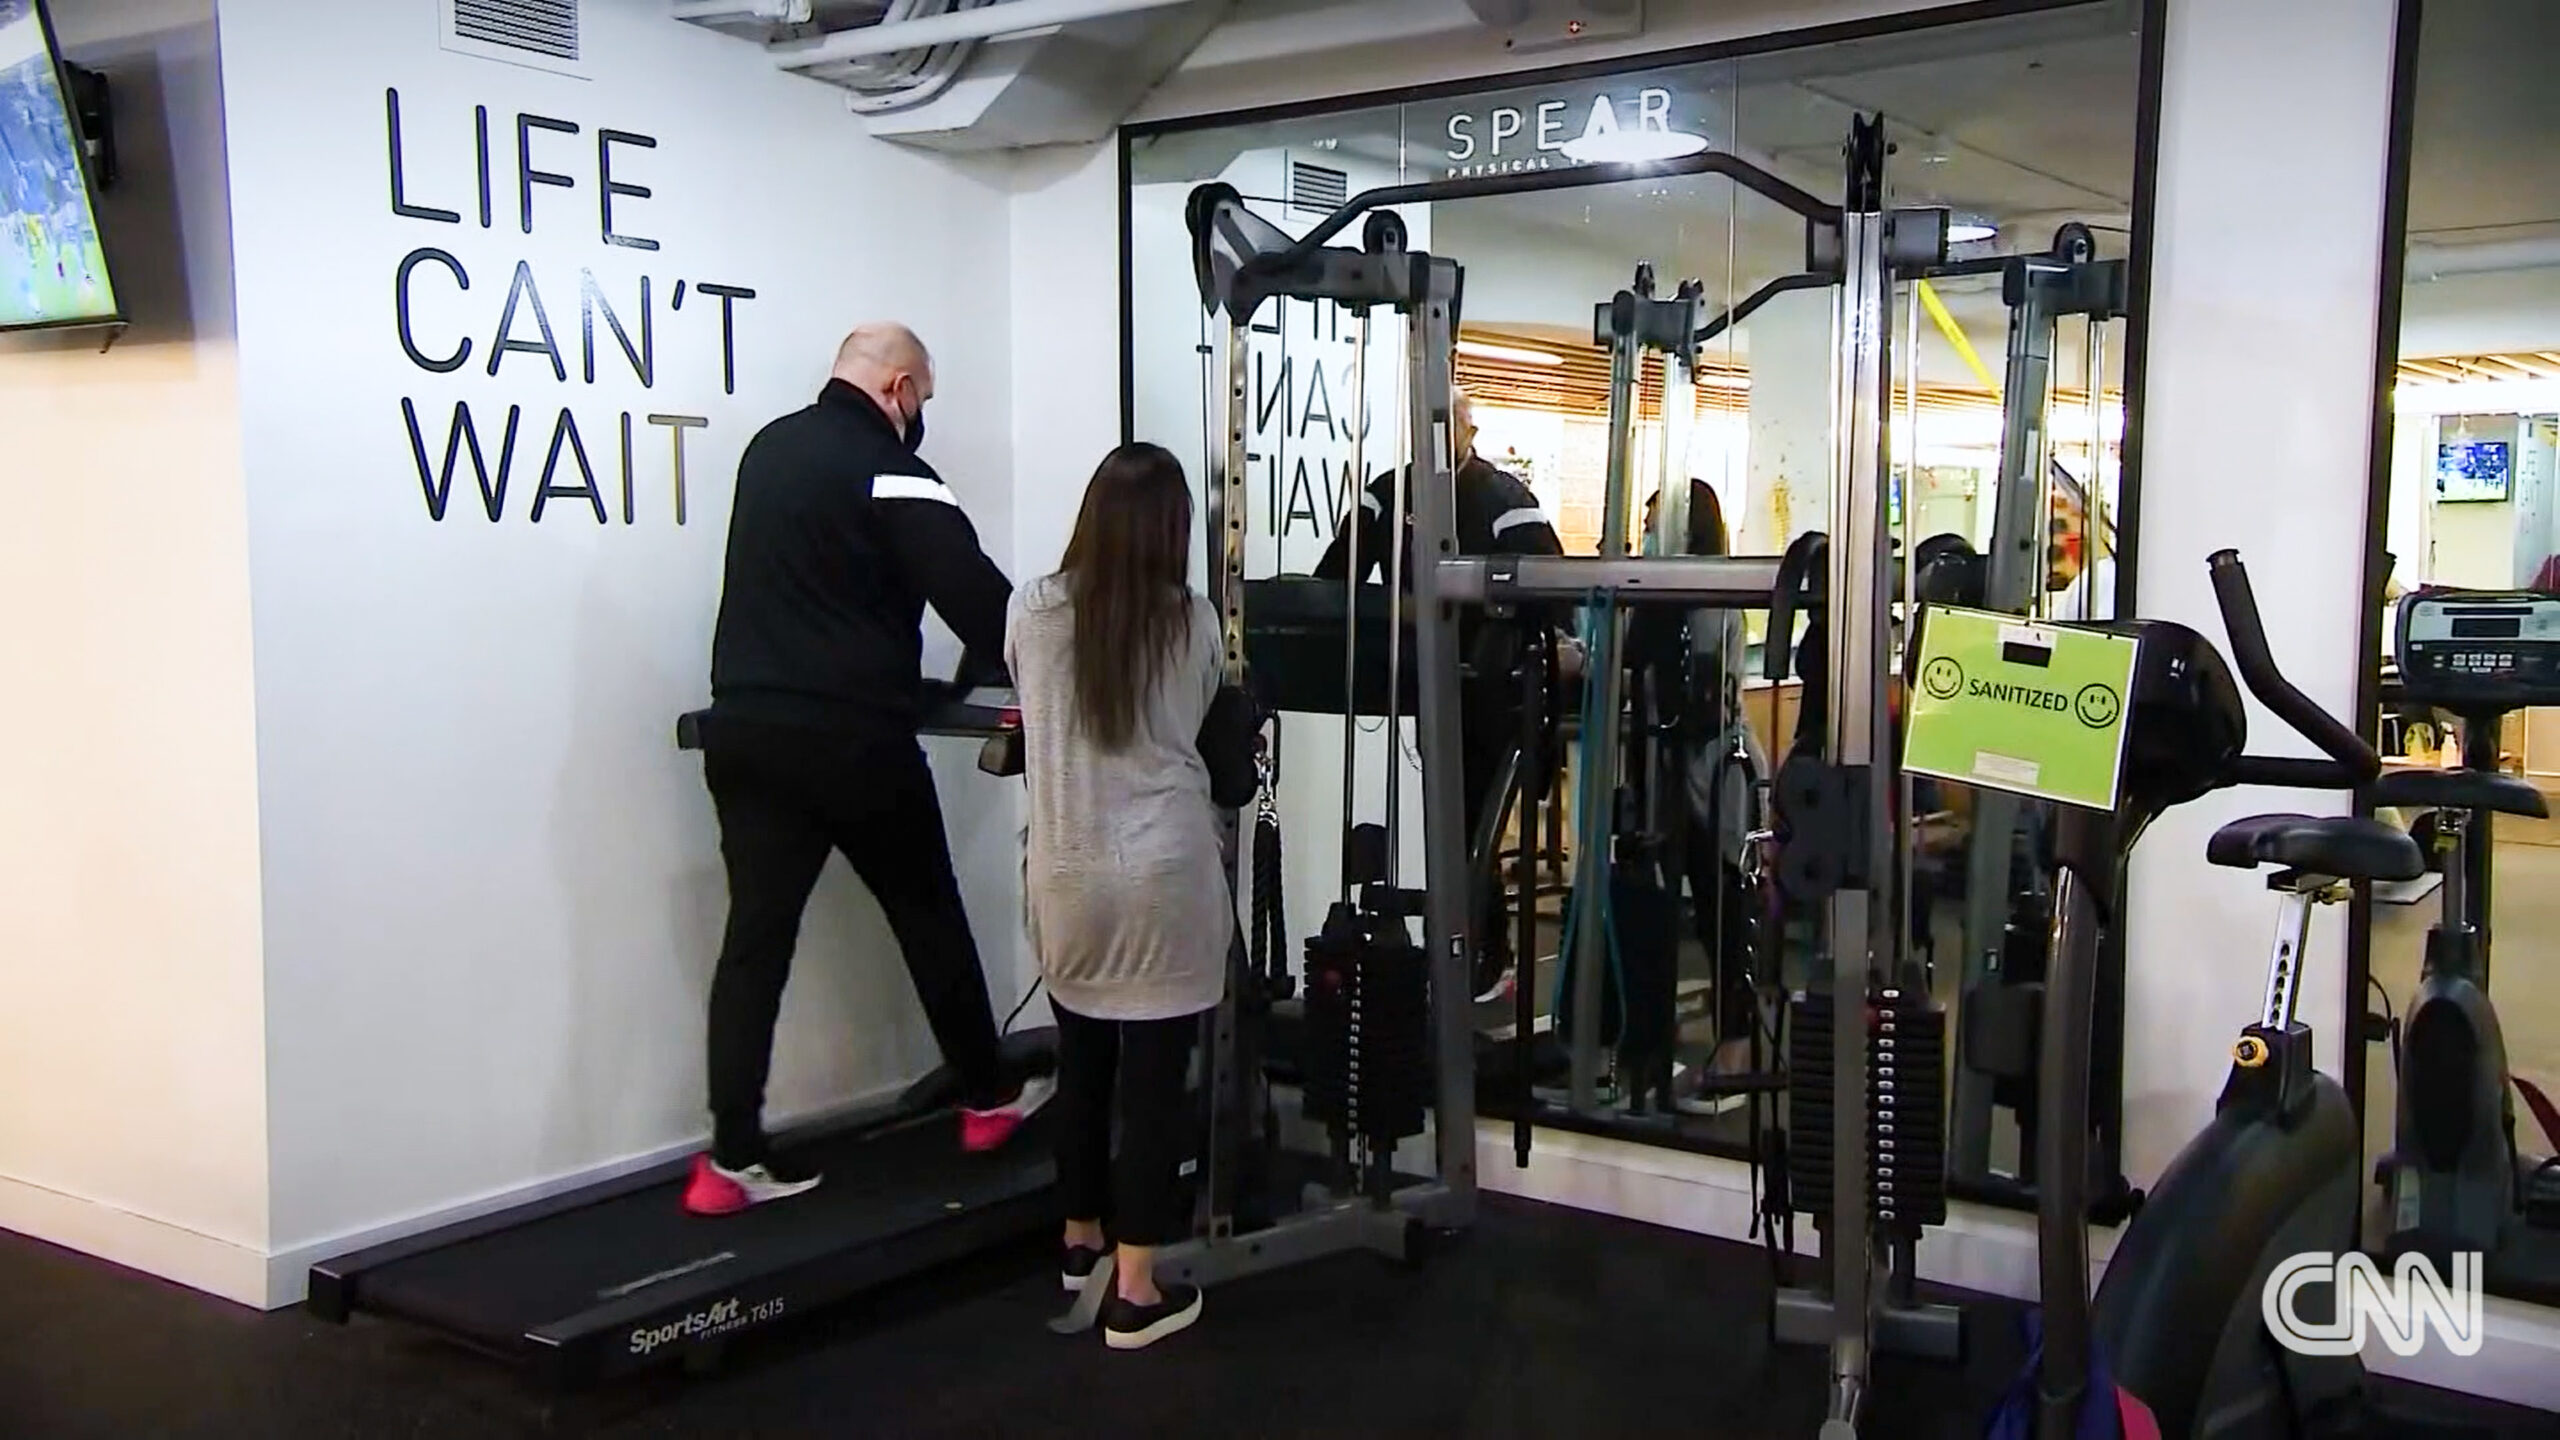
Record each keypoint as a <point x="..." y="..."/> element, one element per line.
<point x="1521" y="275"/>
<point x="2198" y="935"/>
<point x="131" y="1032"/>
<point x="492" y="898"/>
<point x="1063" y="280"/>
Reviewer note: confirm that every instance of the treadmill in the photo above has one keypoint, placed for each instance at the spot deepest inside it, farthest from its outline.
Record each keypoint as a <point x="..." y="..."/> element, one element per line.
<point x="617" y="1277"/>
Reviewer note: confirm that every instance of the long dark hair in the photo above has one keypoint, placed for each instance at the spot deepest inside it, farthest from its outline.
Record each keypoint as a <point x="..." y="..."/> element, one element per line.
<point x="1128" y="571"/>
<point x="1707" y="533"/>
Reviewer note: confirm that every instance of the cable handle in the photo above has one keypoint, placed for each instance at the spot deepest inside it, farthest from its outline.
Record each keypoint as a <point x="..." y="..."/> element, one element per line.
<point x="1265" y="807"/>
<point x="1801" y="574"/>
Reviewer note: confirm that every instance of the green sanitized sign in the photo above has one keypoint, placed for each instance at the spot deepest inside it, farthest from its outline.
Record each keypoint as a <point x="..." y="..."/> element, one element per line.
<point x="2016" y="705"/>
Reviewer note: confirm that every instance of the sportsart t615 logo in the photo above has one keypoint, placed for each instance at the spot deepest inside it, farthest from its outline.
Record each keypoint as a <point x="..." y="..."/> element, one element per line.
<point x="717" y="1318"/>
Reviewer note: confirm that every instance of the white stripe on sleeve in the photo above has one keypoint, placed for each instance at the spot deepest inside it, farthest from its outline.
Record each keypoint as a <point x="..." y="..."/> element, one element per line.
<point x="1514" y="519"/>
<point x="912" y="487"/>
<point x="1369" y="501"/>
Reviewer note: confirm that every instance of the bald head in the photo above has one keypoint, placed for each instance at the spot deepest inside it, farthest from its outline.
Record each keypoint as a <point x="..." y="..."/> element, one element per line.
<point x="886" y="361"/>
<point x="1462" y="426"/>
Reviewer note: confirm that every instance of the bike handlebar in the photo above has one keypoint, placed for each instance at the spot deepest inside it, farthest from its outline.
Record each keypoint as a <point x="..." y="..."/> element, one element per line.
<point x="2257" y="663"/>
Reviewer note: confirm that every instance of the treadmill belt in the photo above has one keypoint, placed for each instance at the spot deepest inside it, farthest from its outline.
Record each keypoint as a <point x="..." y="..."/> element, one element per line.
<point x="641" y="1251"/>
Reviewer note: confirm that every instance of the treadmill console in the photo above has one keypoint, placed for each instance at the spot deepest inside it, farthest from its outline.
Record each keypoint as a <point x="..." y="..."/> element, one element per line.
<point x="2480" y="651"/>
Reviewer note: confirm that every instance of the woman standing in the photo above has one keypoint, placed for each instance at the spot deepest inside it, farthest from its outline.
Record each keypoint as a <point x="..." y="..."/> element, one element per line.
<point x="1117" y="664"/>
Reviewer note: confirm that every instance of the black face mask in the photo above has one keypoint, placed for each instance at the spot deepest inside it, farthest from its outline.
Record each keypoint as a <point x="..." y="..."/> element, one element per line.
<point x="915" y="427"/>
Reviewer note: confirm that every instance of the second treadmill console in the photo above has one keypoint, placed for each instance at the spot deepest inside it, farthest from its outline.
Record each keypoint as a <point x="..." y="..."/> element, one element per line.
<point x="2480" y="651"/>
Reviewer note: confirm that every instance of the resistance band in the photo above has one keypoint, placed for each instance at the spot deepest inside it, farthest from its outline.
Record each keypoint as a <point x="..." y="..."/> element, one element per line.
<point x="1599" y="632"/>
<point x="1954" y="332"/>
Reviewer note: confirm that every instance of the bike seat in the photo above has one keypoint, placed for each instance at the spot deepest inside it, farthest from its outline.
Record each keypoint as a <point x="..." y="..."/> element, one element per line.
<point x="2461" y="790"/>
<point x="2348" y="847"/>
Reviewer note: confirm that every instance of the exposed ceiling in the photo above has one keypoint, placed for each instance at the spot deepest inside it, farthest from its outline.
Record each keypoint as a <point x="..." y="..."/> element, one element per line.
<point x="973" y="75"/>
<point x="2024" y="120"/>
<point x="2485" y="145"/>
<point x="2027" y="120"/>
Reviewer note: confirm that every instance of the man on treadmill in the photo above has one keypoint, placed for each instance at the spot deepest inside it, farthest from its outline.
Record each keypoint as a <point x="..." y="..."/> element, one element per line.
<point x="839" y="538"/>
<point x="1497" y="515"/>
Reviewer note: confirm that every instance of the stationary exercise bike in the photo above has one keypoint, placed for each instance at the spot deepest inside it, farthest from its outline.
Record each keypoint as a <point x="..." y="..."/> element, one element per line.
<point x="2454" y="1180"/>
<point x="2176" y="1326"/>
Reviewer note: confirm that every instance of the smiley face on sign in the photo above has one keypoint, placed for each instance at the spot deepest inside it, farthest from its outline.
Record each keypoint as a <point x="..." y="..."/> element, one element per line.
<point x="1942" y="678"/>
<point x="2097" y="706"/>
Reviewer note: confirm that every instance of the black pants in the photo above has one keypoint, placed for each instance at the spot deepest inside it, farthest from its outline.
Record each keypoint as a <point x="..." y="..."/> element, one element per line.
<point x="1132" y="1071"/>
<point x="1488" y="731"/>
<point x="785" y="797"/>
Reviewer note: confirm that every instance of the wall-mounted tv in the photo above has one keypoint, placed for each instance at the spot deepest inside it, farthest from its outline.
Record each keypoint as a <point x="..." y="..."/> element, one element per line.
<point x="53" y="271"/>
<point x="2465" y="469"/>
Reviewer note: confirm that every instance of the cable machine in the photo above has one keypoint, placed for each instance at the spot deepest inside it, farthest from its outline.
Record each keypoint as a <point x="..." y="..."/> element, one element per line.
<point x="1384" y="1021"/>
<point x="1364" y="1032"/>
<point x="1843" y="830"/>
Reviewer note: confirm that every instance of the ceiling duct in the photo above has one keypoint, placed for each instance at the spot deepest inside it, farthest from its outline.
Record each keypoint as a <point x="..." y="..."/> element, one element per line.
<point x="974" y="74"/>
<point x="2431" y="260"/>
<point x="768" y="22"/>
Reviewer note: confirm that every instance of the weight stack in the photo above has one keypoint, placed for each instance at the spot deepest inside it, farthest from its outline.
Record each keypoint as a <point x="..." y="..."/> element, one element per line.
<point x="1809" y="1107"/>
<point x="1368" y="1009"/>
<point x="1906" y="1108"/>
<point x="1906" y="1111"/>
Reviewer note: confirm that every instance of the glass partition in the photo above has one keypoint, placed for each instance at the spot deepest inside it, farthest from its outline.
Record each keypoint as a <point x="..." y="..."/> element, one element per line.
<point x="2465" y="1035"/>
<point x="2020" y="125"/>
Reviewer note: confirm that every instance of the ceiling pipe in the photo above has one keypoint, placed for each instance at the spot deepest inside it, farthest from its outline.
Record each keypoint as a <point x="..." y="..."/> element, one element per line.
<point x="770" y="12"/>
<point x="986" y="22"/>
<point x="2430" y="260"/>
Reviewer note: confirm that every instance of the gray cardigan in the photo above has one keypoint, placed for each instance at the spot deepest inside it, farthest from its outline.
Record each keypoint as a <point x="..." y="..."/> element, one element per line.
<point x="1127" y="899"/>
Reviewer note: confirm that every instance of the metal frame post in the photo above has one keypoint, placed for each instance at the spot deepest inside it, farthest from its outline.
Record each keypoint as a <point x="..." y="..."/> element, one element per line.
<point x="1214" y="1206"/>
<point x="2012" y="585"/>
<point x="1860" y="930"/>
<point x="1431" y="347"/>
<point x="1597" y="792"/>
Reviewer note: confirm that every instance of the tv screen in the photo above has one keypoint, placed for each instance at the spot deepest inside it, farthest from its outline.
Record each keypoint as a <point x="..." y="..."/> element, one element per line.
<point x="52" y="269"/>
<point x="2472" y="470"/>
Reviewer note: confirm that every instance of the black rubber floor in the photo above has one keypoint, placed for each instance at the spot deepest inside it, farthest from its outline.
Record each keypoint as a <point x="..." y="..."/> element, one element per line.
<point x="1546" y="1322"/>
<point x="880" y="1185"/>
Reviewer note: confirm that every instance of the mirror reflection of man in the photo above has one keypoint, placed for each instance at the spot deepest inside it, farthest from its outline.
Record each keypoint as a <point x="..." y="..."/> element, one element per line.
<point x="1496" y="515"/>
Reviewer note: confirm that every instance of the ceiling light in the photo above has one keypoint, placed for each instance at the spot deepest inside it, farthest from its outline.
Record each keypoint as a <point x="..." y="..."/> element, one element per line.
<point x="1613" y="146"/>
<point x="1966" y="229"/>
<point x="1482" y="351"/>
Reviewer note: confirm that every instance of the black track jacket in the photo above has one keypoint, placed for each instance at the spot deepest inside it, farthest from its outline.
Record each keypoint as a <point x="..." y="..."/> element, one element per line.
<point x="1496" y="516"/>
<point x="838" y="539"/>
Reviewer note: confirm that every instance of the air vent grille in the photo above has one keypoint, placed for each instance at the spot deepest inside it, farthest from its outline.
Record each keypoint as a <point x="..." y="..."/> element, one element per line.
<point x="540" y="34"/>
<point x="539" y="27"/>
<point x="1317" y="187"/>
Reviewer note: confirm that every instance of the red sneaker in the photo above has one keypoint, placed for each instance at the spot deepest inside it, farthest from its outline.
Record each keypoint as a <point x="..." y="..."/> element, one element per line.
<point x="983" y="1130"/>
<point x="715" y="1190"/>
